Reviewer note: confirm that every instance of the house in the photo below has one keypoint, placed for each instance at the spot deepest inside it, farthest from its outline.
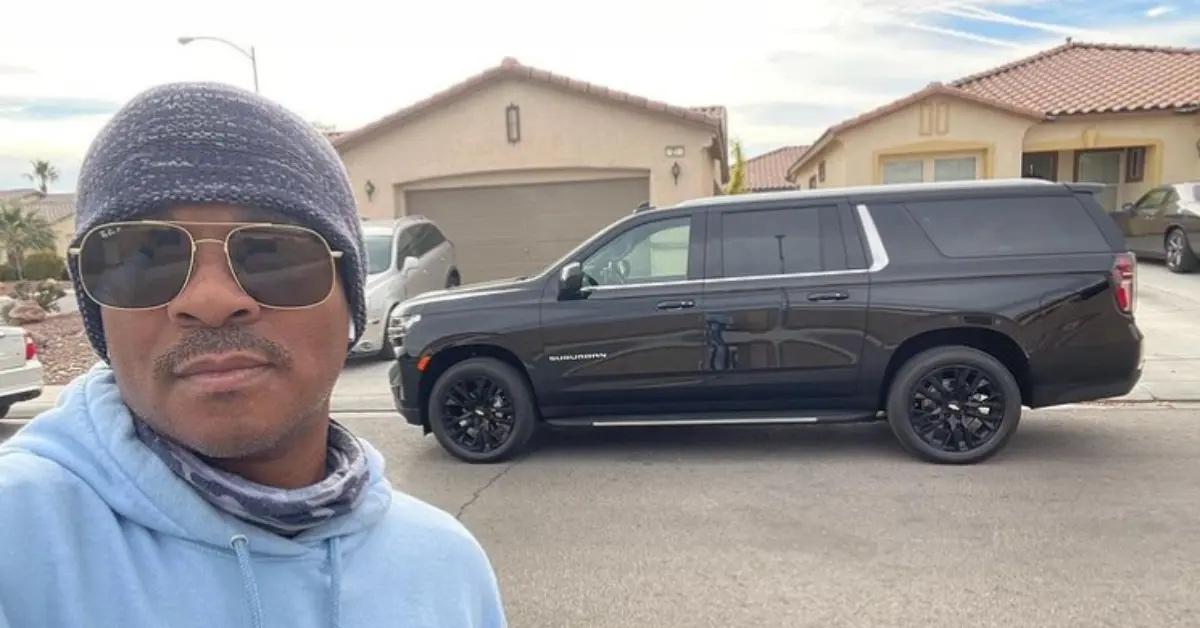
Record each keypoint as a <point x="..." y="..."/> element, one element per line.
<point x="768" y="171"/>
<point x="1127" y="117"/>
<point x="518" y="165"/>
<point x="56" y="208"/>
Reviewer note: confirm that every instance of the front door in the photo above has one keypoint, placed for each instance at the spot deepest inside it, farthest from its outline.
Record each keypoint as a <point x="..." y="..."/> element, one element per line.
<point x="1100" y="166"/>
<point x="784" y="306"/>
<point x="634" y="342"/>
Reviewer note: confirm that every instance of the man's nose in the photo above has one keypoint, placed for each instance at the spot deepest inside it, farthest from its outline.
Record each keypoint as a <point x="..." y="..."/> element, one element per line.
<point x="212" y="296"/>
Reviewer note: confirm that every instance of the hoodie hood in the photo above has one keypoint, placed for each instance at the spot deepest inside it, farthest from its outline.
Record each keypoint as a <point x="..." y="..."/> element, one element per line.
<point x="90" y="433"/>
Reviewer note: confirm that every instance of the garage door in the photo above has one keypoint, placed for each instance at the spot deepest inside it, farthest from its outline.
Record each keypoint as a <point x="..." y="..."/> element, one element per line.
<point x="510" y="230"/>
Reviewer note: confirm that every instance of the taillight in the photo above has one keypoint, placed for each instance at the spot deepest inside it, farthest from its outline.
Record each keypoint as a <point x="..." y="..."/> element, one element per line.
<point x="1124" y="274"/>
<point x="30" y="348"/>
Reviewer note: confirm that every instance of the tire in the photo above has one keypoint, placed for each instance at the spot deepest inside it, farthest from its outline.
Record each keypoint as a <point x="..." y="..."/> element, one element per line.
<point x="1179" y="255"/>
<point x="453" y="280"/>
<point x="949" y="427"/>
<point x="464" y="431"/>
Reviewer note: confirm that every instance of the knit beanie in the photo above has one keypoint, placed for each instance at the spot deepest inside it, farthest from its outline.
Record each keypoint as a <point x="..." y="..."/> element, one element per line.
<point x="193" y="143"/>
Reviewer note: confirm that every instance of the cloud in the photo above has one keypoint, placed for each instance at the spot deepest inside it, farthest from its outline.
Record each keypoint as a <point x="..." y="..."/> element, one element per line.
<point x="784" y="113"/>
<point x="985" y="15"/>
<point x="1159" y="10"/>
<point x="10" y="69"/>
<point x="32" y="108"/>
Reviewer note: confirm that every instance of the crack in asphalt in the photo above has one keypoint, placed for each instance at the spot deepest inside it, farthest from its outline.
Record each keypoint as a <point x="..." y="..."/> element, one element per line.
<point x="462" y="509"/>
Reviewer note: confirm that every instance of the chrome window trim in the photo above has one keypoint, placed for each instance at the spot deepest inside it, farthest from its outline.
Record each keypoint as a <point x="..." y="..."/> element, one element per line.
<point x="879" y="261"/>
<point x="879" y="256"/>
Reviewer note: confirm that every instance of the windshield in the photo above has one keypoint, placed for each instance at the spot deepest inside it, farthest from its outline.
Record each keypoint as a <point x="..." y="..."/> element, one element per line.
<point x="379" y="253"/>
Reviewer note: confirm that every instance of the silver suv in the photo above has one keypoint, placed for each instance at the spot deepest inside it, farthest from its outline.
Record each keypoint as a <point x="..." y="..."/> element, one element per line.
<point x="405" y="257"/>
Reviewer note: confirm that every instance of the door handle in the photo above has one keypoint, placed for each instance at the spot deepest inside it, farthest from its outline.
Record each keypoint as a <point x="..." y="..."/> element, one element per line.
<point x="828" y="296"/>
<point x="685" y="304"/>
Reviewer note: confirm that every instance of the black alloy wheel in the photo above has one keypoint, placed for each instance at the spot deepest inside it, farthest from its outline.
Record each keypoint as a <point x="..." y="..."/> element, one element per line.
<point x="953" y="404"/>
<point x="478" y="413"/>
<point x="956" y="408"/>
<point x="481" y="410"/>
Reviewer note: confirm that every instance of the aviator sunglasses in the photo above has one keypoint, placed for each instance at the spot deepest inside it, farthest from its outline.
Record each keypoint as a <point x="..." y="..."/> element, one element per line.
<point x="145" y="264"/>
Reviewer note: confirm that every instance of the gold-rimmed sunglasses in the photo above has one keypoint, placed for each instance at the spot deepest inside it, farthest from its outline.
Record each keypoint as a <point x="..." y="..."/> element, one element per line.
<point x="145" y="264"/>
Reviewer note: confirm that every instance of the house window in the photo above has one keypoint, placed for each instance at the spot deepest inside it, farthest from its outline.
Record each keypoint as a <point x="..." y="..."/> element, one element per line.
<point x="954" y="169"/>
<point x="904" y="171"/>
<point x="1135" y="164"/>
<point x="821" y="171"/>
<point x="812" y="182"/>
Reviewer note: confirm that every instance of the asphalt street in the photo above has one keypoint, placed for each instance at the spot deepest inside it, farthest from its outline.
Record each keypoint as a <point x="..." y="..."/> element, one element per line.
<point x="1089" y="518"/>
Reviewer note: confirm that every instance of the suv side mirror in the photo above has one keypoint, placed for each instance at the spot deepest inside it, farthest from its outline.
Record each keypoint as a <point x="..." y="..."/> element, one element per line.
<point x="1127" y="208"/>
<point x="410" y="265"/>
<point x="570" y="281"/>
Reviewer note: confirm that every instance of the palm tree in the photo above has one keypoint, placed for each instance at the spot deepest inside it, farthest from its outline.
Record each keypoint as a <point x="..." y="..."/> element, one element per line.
<point x="22" y="231"/>
<point x="43" y="173"/>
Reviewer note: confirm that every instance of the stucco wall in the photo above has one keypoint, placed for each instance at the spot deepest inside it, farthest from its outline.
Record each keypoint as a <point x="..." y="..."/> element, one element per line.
<point x="956" y="127"/>
<point x="1171" y="137"/>
<point x="562" y="134"/>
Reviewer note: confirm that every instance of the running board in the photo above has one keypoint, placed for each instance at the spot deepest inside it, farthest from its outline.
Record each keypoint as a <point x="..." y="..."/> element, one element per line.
<point x="705" y="418"/>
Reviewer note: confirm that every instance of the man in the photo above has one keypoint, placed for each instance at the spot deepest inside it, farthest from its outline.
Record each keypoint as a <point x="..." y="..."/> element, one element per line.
<point x="195" y="478"/>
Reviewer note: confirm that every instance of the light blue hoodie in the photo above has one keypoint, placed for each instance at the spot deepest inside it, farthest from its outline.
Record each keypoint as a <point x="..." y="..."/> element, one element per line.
<point x="96" y="531"/>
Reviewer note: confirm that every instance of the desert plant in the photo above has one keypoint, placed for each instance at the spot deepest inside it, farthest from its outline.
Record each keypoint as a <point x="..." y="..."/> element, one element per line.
<point x="45" y="293"/>
<point x="737" y="173"/>
<point x="43" y="174"/>
<point x="21" y="231"/>
<point x="44" y="265"/>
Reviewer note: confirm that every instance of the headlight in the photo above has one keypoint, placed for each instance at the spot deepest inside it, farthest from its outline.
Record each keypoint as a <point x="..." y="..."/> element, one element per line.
<point x="399" y="325"/>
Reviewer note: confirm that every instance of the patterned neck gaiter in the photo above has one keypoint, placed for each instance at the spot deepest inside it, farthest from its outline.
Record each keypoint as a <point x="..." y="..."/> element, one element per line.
<point x="286" y="512"/>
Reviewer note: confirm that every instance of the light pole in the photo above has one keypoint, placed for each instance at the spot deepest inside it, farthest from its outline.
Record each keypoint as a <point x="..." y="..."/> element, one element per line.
<point x="183" y="41"/>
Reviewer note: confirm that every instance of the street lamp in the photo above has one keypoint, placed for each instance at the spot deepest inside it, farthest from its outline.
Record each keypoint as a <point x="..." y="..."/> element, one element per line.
<point x="183" y="41"/>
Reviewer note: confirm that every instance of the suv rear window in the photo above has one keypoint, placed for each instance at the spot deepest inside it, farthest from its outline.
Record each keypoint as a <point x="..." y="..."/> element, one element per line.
<point x="990" y="227"/>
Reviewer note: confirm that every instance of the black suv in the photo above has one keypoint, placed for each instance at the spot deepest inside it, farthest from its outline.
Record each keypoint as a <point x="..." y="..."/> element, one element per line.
<point x="943" y="307"/>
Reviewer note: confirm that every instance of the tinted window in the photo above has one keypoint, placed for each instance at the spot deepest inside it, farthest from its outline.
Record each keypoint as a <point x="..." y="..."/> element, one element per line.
<point x="426" y="238"/>
<point x="987" y="227"/>
<point x="653" y="252"/>
<point x="1152" y="201"/>
<point x="379" y="252"/>
<point x="771" y="242"/>
<point x="404" y="245"/>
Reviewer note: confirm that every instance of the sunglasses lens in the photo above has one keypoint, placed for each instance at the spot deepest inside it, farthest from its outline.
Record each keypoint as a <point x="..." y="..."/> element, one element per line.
<point x="281" y="266"/>
<point x="135" y="266"/>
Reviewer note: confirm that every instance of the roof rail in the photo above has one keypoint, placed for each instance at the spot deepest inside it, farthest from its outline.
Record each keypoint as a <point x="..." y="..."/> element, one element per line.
<point x="645" y="206"/>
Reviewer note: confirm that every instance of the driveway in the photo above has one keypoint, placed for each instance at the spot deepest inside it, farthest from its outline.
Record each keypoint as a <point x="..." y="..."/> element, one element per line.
<point x="1168" y="313"/>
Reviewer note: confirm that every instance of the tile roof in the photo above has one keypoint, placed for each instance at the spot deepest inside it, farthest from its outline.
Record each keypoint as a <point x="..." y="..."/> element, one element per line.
<point x="768" y="171"/>
<point x="1074" y="78"/>
<point x="510" y="68"/>
<point x="53" y="207"/>
<point x="1079" y="78"/>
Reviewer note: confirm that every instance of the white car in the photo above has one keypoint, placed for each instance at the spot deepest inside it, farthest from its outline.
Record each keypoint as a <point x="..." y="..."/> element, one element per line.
<point x="405" y="258"/>
<point x="20" y="370"/>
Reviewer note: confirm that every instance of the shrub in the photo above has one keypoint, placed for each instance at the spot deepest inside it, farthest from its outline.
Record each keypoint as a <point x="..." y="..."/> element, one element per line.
<point x="7" y="273"/>
<point x="45" y="293"/>
<point x="44" y="265"/>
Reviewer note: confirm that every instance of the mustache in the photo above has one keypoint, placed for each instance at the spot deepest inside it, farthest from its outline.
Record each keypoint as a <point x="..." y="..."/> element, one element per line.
<point x="219" y="340"/>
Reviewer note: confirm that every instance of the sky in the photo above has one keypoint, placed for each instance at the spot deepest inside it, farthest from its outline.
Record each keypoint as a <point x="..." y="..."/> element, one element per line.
<point x="785" y="70"/>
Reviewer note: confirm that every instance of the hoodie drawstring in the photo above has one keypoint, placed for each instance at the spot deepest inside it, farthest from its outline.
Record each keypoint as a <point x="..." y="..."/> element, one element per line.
<point x="335" y="585"/>
<point x="241" y="547"/>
